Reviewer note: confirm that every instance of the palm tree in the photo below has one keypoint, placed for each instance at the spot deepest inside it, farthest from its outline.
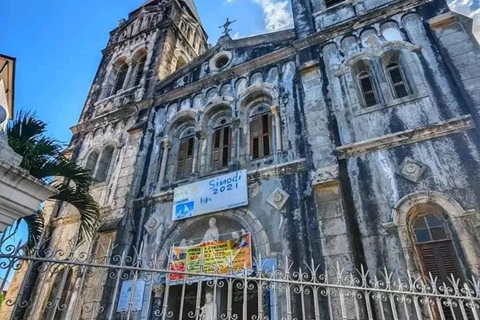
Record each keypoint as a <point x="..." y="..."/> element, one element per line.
<point x="43" y="158"/>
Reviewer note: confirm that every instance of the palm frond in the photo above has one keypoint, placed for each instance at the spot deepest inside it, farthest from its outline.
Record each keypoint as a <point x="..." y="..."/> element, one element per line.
<point x="24" y="128"/>
<point x="35" y="225"/>
<point x="62" y="167"/>
<point x="85" y="204"/>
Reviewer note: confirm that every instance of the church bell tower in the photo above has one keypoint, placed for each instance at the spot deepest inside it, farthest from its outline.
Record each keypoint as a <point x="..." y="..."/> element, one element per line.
<point x="158" y="38"/>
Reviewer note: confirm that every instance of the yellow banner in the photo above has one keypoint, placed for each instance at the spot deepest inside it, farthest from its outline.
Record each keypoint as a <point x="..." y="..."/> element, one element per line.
<point x="217" y="257"/>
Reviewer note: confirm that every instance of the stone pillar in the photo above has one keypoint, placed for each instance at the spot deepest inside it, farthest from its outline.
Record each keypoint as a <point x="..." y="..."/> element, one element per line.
<point x="278" y="131"/>
<point x="127" y="81"/>
<point x="166" y="146"/>
<point x="199" y="141"/>
<point x="236" y="141"/>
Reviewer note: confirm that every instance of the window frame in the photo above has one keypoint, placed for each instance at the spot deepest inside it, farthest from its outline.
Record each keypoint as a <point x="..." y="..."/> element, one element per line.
<point x="361" y="77"/>
<point x="393" y="85"/>
<point x="224" y="149"/>
<point x="187" y="139"/>
<point x="265" y="129"/>
<point x="139" y="69"/>
<point x="118" y="85"/>
<point x="106" y="171"/>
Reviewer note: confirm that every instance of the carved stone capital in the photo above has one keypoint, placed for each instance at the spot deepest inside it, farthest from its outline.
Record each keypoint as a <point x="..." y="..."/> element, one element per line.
<point x="166" y="143"/>
<point x="274" y="110"/>
<point x="201" y="134"/>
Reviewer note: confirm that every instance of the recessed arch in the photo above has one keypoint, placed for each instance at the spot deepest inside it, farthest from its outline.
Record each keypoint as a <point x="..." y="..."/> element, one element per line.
<point x="243" y="217"/>
<point x="416" y="204"/>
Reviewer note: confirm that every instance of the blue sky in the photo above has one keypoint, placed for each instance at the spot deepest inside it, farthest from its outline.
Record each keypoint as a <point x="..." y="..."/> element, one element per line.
<point x="58" y="45"/>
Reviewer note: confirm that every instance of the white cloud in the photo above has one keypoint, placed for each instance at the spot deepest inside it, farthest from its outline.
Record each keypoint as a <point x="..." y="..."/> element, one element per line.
<point x="276" y="14"/>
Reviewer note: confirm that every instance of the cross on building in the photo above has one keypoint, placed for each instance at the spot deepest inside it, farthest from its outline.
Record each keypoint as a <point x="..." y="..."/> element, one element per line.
<point x="226" y="27"/>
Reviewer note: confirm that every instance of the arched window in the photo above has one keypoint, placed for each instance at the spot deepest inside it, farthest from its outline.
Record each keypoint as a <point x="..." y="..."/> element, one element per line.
<point x="185" y="154"/>
<point x="180" y="63"/>
<point x="92" y="162"/>
<point x="221" y="144"/>
<point x="120" y="77"/>
<point x="395" y="74"/>
<point x="366" y="83"/>
<point x="435" y="246"/>
<point x="437" y="253"/>
<point x="59" y="297"/>
<point x="139" y="25"/>
<point x="104" y="164"/>
<point x="260" y="132"/>
<point x="139" y="68"/>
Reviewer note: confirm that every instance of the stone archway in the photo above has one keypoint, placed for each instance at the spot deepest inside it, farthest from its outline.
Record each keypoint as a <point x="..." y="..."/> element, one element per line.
<point x="184" y="298"/>
<point x="243" y="218"/>
<point x="410" y="205"/>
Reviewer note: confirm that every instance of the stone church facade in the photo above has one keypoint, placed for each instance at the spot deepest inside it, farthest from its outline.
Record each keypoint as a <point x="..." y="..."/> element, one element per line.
<point x="359" y="130"/>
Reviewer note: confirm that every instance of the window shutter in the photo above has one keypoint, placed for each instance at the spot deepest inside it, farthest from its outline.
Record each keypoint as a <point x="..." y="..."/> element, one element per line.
<point x="439" y="259"/>
<point x="182" y="156"/>
<point x="226" y="146"/>
<point x="267" y="130"/>
<point x="189" y="159"/>
<point x="255" y="129"/>
<point x="216" y="149"/>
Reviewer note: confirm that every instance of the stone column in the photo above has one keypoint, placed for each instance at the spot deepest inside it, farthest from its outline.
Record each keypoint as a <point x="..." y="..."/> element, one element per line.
<point x="236" y="142"/>
<point x="278" y="131"/>
<point x="166" y="146"/>
<point x="127" y="81"/>
<point x="199" y="142"/>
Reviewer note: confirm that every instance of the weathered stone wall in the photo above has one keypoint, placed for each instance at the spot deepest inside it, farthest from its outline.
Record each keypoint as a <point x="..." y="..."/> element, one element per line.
<point x="343" y="176"/>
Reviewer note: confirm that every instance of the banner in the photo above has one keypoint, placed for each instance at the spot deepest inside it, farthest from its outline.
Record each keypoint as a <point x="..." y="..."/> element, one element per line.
<point x="216" y="254"/>
<point x="220" y="193"/>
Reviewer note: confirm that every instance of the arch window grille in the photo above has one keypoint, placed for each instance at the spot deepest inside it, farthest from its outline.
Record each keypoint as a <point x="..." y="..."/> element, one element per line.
<point x="260" y="132"/>
<point x="186" y="152"/>
<point x="120" y="78"/>
<point x="140" y="67"/>
<point x="222" y="140"/>
<point x="103" y="164"/>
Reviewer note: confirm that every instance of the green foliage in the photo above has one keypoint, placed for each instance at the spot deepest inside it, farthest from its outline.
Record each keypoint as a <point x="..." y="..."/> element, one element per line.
<point x="43" y="158"/>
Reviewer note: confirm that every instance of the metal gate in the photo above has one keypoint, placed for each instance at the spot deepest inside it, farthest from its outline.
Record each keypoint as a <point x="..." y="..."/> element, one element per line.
<point x="113" y="284"/>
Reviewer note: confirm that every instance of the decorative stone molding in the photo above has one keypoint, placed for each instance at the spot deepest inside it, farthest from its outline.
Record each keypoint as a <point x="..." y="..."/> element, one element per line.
<point x="411" y="170"/>
<point x="278" y="199"/>
<point x="278" y="170"/>
<point x="325" y="174"/>
<point x="440" y="129"/>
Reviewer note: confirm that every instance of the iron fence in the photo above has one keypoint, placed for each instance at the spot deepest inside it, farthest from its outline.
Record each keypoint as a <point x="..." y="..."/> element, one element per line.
<point x="111" y="283"/>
